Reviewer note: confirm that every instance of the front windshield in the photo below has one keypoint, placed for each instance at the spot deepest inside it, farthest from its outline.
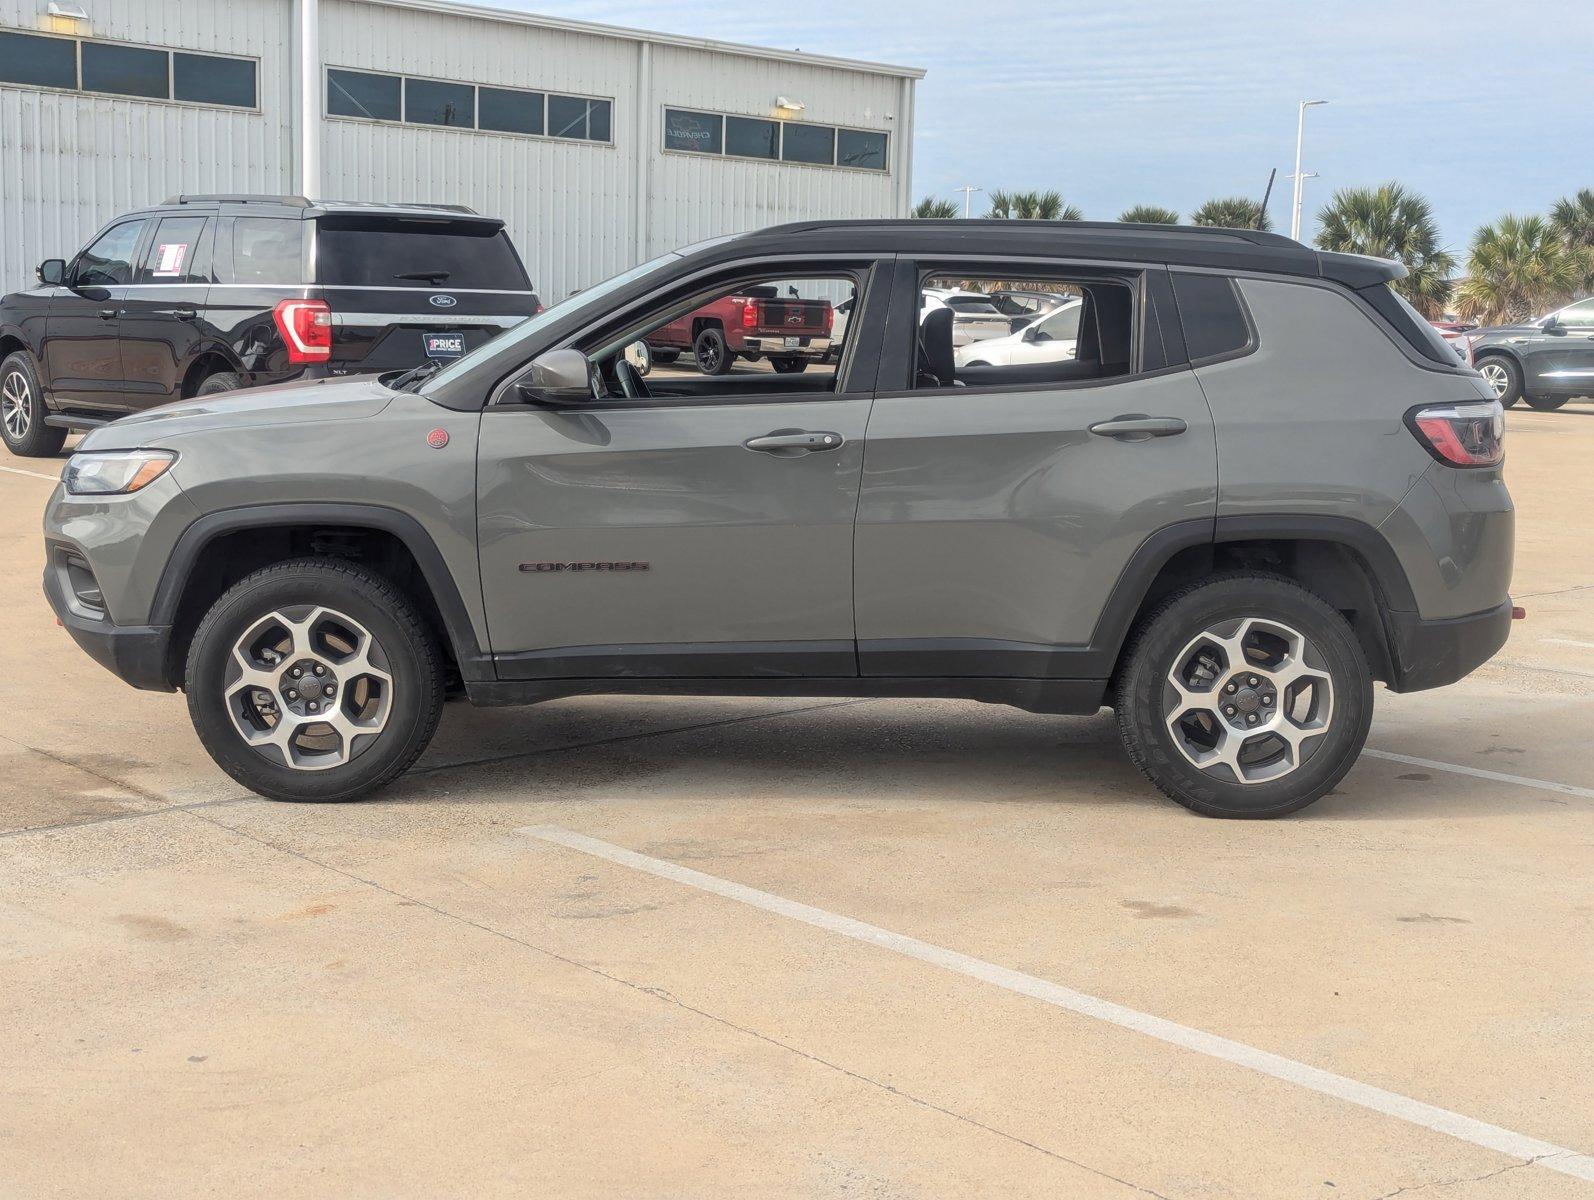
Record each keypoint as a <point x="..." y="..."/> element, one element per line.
<point x="531" y="325"/>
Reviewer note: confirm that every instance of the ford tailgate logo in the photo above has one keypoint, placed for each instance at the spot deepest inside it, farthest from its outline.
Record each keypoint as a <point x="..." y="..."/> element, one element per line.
<point x="442" y="301"/>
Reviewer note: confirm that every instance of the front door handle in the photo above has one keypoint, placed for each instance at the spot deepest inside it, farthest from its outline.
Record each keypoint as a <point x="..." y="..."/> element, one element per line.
<point x="1133" y="427"/>
<point x="788" y="443"/>
<point x="185" y="314"/>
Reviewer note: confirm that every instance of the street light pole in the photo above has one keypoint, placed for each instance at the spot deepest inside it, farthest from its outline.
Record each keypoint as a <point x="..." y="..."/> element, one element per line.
<point x="968" y="197"/>
<point x="1300" y="181"/>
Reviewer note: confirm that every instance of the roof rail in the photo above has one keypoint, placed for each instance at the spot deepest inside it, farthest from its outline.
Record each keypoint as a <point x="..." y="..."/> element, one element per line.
<point x="1115" y="228"/>
<point x="291" y="201"/>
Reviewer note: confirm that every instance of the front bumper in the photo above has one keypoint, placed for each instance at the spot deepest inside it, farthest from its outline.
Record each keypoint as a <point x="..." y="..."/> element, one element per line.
<point x="1430" y="654"/>
<point x="135" y="653"/>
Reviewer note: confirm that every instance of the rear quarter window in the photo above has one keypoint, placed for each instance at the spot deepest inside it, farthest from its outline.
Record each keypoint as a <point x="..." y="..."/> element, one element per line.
<point x="416" y="254"/>
<point x="1210" y="312"/>
<point x="267" y="251"/>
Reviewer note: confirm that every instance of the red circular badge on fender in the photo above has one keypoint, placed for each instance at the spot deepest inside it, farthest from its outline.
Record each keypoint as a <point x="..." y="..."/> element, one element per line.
<point x="437" y="439"/>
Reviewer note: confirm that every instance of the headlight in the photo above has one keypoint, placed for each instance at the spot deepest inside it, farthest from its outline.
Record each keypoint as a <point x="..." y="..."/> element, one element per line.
<point x="116" y="472"/>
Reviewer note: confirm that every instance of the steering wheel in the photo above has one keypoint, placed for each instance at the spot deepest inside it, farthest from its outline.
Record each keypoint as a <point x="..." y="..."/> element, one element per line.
<point x="630" y="380"/>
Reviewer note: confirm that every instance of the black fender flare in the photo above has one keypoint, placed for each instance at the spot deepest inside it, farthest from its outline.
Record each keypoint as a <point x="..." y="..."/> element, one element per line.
<point x="1371" y="548"/>
<point x="474" y="664"/>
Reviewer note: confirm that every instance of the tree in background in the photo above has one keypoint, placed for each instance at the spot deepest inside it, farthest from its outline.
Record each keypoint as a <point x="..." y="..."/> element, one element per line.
<point x="1390" y="222"/>
<point x="1573" y="220"/>
<point x="1148" y="214"/>
<point x="1233" y="212"/>
<point x="1032" y="206"/>
<point x="932" y="208"/>
<point x="1518" y="266"/>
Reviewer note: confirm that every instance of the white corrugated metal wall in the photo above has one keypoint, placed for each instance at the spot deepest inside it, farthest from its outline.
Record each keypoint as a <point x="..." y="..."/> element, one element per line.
<point x="579" y="211"/>
<point x="69" y="162"/>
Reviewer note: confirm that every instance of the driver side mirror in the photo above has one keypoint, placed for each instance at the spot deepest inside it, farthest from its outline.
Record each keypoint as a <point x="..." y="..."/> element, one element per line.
<point x="1552" y="324"/>
<point x="52" y="272"/>
<point x="558" y="377"/>
<point x="1031" y="333"/>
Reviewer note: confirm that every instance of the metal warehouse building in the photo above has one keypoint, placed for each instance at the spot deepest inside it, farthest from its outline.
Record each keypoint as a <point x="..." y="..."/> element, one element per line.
<point x="599" y="146"/>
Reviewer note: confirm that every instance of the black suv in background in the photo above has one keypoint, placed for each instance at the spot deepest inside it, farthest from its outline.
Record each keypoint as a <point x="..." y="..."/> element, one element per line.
<point x="1545" y="362"/>
<point x="204" y="294"/>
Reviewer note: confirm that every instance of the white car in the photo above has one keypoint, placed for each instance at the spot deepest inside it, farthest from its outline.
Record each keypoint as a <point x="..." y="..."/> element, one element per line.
<point x="974" y="317"/>
<point x="1052" y="338"/>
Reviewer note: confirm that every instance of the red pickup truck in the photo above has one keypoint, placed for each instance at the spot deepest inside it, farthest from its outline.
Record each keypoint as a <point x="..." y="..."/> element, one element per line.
<point x="756" y="323"/>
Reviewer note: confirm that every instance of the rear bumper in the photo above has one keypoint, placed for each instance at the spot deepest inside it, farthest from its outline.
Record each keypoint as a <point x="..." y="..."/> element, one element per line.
<point x="1430" y="654"/>
<point x="814" y="348"/>
<point x="134" y="653"/>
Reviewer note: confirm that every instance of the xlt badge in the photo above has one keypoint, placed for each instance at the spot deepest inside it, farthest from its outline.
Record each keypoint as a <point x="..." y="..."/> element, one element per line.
<point x="545" y="567"/>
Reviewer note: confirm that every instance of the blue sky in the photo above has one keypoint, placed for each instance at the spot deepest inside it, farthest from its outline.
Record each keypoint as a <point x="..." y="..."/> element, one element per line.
<point x="1484" y="108"/>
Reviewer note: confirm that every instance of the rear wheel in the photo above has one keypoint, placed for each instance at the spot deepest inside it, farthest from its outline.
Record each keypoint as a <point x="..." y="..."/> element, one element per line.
<point x="789" y="366"/>
<point x="1504" y="376"/>
<point x="22" y="410"/>
<point x="714" y="357"/>
<point x="221" y="381"/>
<point x="1547" y="403"/>
<point x="664" y="357"/>
<point x="314" y="679"/>
<point x="1244" y="696"/>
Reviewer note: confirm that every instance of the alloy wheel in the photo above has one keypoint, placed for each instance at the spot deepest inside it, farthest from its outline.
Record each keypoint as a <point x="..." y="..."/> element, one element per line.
<point x="1247" y="700"/>
<point x="308" y="687"/>
<point x="16" y="405"/>
<point x="1496" y="377"/>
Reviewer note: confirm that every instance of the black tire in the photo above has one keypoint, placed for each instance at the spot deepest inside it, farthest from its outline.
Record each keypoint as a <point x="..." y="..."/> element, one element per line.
<point x="22" y="410"/>
<point x="713" y="356"/>
<point x="1547" y="403"/>
<point x="664" y="358"/>
<point x="1141" y="691"/>
<point x="1503" y="366"/>
<point x="221" y="381"/>
<point x="391" y="618"/>
<point x="789" y="366"/>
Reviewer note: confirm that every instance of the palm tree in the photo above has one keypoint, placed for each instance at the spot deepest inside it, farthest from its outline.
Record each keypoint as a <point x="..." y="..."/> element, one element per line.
<point x="1390" y="222"/>
<point x="1233" y="212"/>
<point x="1518" y="266"/>
<point x="1033" y="206"/>
<point x="931" y="208"/>
<point x="1148" y="214"/>
<point x="1573" y="219"/>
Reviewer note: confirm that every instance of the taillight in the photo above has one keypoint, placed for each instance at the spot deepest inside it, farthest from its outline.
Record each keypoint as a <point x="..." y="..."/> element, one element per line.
<point x="1462" y="435"/>
<point x="306" y="329"/>
<point x="830" y="318"/>
<point x="749" y="314"/>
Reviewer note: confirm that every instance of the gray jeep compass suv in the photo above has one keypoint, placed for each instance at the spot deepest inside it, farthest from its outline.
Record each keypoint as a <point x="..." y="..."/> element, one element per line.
<point x="1256" y="483"/>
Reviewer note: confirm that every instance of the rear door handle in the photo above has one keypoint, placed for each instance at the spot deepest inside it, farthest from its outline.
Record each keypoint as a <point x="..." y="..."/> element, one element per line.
<point x="788" y="443"/>
<point x="1132" y="427"/>
<point x="185" y="314"/>
<point x="108" y="314"/>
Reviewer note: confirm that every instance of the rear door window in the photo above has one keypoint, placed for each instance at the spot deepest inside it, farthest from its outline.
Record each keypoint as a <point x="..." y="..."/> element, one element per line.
<point x="267" y="251"/>
<point x="178" y="253"/>
<point x="452" y="255"/>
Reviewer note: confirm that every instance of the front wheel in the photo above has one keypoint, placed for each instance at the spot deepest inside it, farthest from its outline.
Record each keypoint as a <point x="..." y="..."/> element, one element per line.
<point x="1244" y="696"/>
<point x="22" y="410"/>
<point x="314" y="679"/>
<point x="1504" y="376"/>
<point x="1547" y="403"/>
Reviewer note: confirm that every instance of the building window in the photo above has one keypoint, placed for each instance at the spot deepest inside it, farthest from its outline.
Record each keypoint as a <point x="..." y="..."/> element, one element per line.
<point x="363" y="94"/>
<point x="694" y="132"/>
<point x="114" y="69"/>
<point x="748" y="137"/>
<point x="126" y="71"/>
<point x="376" y="97"/>
<point x="38" y="61"/>
<point x="808" y="143"/>
<point x="577" y="117"/>
<point x="427" y="102"/>
<point x="211" y="79"/>
<point x="857" y="148"/>
<point x="505" y="111"/>
<point x="689" y="132"/>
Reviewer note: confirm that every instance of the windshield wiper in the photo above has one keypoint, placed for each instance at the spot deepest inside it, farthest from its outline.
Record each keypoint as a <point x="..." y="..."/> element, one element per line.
<point x="415" y="375"/>
<point x="432" y="277"/>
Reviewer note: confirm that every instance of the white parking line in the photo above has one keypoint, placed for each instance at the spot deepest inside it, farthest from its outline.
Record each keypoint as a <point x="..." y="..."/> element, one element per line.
<point x="1479" y="1133"/>
<point x="1543" y="785"/>
<point x="34" y="474"/>
<point x="1567" y="642"/>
